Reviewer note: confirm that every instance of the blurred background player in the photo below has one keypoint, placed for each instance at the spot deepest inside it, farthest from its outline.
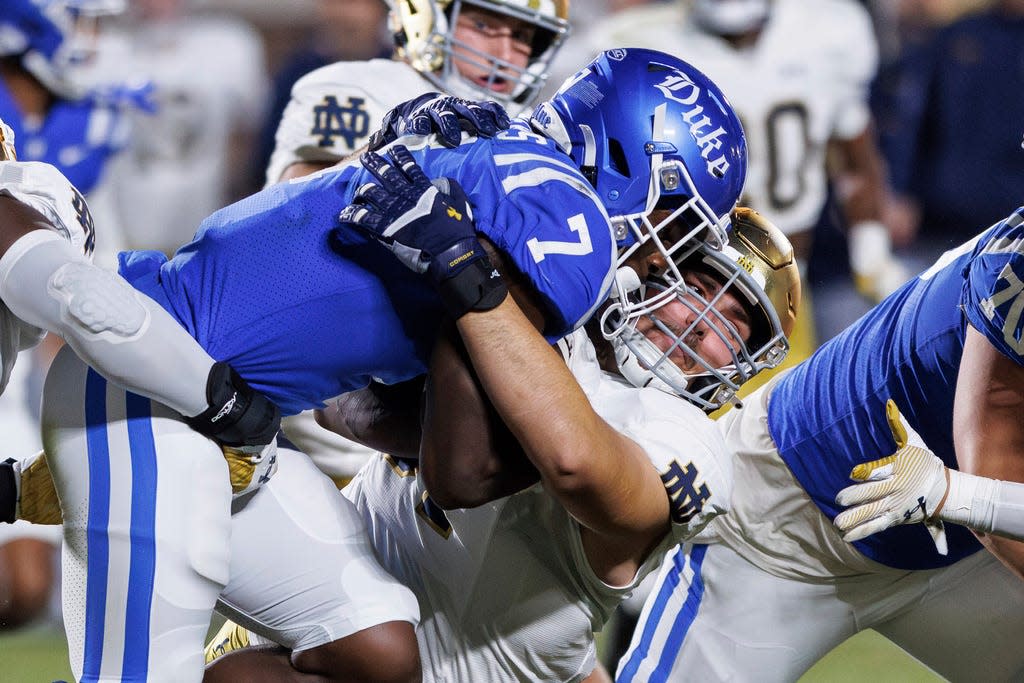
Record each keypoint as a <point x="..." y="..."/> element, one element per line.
<point x="498" y="50"/>
<point x="480" y="49"/>
<point x="945" y="349"/>
<point x="955" y="164"/>
<point x="206" y="87"/>
<point x="799" y="75"/>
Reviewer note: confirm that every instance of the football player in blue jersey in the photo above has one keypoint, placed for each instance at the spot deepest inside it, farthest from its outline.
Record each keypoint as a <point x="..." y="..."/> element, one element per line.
<point x="263" y="286"/>
<point x="607" y="447"/>
<point x="777" y="587"/>
<point x="48" y="281"/>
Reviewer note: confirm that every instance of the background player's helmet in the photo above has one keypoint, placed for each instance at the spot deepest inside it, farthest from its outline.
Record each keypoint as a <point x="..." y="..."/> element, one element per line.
<point x="424" y="32"/>
<point x="730" y="17"/>
<point x="48" y="37"/>
<point x="650" y="131"/>
<point x="757" y="266"/>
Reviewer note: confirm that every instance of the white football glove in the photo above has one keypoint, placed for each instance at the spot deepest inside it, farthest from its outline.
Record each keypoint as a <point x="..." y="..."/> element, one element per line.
<point x="876" y="272"/>
<point x="907" y="487"/>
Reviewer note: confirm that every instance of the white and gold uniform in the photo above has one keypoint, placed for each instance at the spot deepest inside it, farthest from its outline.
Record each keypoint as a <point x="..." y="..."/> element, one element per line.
<point x="506" y="592"/>
<point x="334" y="109"/>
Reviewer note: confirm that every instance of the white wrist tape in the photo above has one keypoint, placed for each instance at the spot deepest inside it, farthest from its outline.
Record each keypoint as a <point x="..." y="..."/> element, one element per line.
<point x="121" y="333"/>
<point x="970" y="501"/>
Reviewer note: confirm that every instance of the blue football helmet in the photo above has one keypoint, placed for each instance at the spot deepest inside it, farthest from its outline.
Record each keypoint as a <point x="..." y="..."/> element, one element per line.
<point x="46" y="35"/>
<point x="650" y="131"/>
<point x="668" y="158"/>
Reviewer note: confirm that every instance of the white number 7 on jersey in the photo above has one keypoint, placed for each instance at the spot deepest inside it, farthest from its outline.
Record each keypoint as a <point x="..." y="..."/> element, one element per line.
<point x="578" y="224"/>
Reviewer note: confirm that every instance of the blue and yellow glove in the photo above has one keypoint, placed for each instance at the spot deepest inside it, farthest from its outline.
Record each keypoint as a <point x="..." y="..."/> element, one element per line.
<point x="428" y="226"/>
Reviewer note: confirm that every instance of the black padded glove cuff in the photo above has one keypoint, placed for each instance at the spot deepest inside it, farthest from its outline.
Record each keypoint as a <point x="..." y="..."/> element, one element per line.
<point x="238" y="415"/>
<point x="8" y="491"/>
<point x="477" y="287"/>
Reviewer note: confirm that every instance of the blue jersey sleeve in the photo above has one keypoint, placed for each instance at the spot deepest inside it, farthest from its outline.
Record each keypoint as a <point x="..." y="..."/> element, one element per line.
<point x="534" y="205"/>
<point x="994" y="287"/>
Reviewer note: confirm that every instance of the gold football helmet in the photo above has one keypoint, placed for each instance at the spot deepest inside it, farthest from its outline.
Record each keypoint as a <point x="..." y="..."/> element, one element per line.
<point x="757" y="266"/>
<point x="424" y="32"/>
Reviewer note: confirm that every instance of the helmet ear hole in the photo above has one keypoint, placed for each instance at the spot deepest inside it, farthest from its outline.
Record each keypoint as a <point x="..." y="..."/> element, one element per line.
<point x="617" y="158"/>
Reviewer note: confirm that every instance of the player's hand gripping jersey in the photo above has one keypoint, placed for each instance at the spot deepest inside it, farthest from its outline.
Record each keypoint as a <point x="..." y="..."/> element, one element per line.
<point x="264" y="287"/>
<point x="828" y="414"/>
<point x="506" y="591"/>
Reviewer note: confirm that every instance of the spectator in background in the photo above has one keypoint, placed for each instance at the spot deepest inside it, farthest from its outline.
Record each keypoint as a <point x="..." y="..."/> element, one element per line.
<point x="344" y="31"/>
<point x="953" y="129"/>
<point x="209" y="88"/>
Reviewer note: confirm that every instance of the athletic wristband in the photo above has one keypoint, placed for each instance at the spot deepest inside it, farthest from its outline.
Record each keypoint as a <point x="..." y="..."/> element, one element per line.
<point x="969" y="500"/>
<point x="237" y="414"/>
<point x="8" y="492"/>
<point x="477" y="287"/>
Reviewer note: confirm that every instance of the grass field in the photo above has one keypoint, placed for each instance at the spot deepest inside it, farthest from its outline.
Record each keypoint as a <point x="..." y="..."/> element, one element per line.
<point x="40" y="656"/>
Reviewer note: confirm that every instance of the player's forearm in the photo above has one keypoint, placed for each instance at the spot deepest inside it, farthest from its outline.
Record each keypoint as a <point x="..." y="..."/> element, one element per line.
<point x="382" y="417"/>
<point x="530" y="386"/>
<point x="863" y="185"/>
<point x="1009" y="552"/>
<point x="468" y="457"/>
<point x="120" y="332"/>
<point x="984" y="505"/>
<point x="588" y="465"/>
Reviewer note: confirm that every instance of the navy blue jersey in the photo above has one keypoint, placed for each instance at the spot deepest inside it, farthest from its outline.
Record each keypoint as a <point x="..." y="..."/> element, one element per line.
<point x="264" y="287"/>
<point x="828" y="414"/>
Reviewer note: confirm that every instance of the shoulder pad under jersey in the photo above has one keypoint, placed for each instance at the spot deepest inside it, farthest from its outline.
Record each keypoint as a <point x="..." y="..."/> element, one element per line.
<point x="994" y="289"/>
<point x="535" y="206"/>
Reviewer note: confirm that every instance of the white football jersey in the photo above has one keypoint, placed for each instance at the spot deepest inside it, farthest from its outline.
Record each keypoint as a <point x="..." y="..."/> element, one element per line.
<point x="334" y="110"/>
<point x="803" y="83"/>
<point x="46" y="190"/>
<point x="506" y="592"/>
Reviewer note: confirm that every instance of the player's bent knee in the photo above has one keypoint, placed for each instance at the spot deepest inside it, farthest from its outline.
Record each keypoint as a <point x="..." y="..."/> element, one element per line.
<point x="386" y="653"/>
